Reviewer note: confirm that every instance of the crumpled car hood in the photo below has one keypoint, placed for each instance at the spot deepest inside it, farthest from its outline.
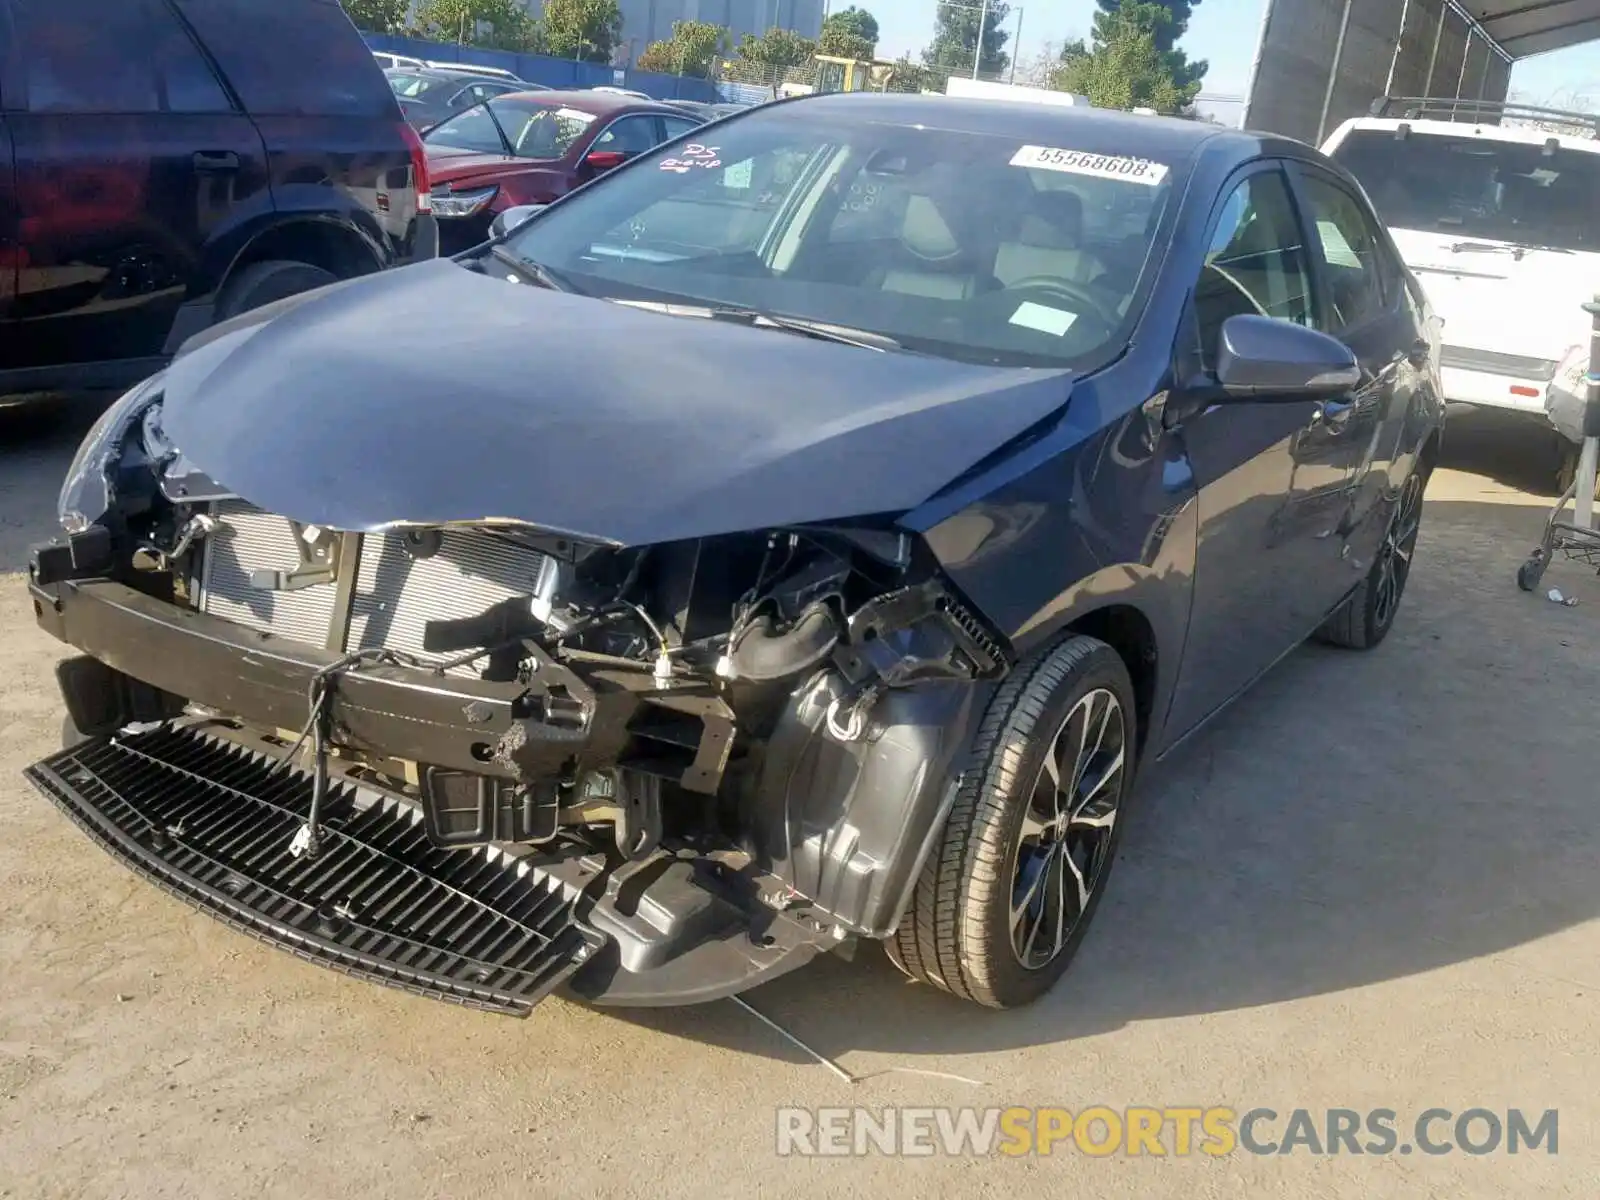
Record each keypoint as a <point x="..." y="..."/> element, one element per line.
<point x="433" y="395"/>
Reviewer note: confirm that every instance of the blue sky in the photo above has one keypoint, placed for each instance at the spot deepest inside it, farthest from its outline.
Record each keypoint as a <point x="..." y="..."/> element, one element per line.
<point x="1223" y="32"/>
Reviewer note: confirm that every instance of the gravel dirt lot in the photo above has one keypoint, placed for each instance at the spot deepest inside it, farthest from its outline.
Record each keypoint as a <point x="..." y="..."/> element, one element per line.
<point x="1372" y="883"/>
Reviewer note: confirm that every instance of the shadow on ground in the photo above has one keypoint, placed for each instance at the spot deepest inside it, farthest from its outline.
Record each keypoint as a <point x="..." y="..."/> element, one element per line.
<point x="37" y="441"/>
<point x="1513" y="449"/>
<point x="1353" y="819"/>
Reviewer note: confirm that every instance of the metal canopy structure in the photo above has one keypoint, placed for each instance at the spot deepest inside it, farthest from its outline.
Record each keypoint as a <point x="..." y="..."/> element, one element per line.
<point x="1319" y="62"/>
<point x="1524" y="27"/>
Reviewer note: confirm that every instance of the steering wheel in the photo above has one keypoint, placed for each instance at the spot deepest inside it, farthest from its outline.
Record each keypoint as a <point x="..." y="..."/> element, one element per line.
<point x="1075" y="293"/>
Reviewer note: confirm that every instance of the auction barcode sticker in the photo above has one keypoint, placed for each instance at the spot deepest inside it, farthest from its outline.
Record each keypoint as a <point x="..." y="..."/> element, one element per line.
<point x="1101" y="166"/>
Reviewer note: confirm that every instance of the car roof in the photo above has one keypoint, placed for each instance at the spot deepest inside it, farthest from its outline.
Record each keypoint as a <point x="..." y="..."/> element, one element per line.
<point x="601" y="104"/>
<point x="1163" y="138"/>
<point x="1528" y="135"/>
<point x="457" y="73"/>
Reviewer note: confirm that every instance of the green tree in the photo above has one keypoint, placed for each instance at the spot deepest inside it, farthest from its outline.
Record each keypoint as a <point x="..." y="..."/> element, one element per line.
<point x="955" y="37"/>
<point x="377" y="16"/>
<point x="777" y="48"/>
<point x="691" y="50"/>
<point x="908" y="76"/>
<point x="495" y="24"/>
<point x="583" y="29"/>
<point x="849" y="33"/>
<point x="1126" y="66"/>
<point x="1167" y="36"/>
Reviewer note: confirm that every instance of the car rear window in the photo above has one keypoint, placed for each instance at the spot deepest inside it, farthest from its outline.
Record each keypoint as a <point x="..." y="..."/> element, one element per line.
<point x="292" y="57"/>
<point x="1478" y="187"/>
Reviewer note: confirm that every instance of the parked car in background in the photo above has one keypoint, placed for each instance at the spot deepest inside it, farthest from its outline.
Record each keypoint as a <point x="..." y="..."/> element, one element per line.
<point x="429" y="95"/>
<point x="392" y="61"/>
<point x="529" y="148"/>
<point x="697" y="109"/>
<point x="727" y="109"/>
<point x="794" y="542"/>
<point x="165" y="164"/>
<point x="1500" y="220"/>
<point x="475" y="69"/>
<point x="609" y="90"/>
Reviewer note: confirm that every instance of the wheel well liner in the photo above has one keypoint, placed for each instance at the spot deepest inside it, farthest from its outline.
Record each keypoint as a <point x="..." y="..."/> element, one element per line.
<point x="333" y="246"/>
<point x="1129" y="632"/>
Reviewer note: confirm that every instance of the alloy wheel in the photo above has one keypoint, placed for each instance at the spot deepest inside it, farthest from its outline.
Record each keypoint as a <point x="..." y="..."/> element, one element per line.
<point x="1394" y="557"/>
<point x="1066" y="833"/>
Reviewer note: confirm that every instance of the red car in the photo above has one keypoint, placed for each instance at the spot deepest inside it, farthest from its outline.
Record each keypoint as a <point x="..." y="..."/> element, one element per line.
<point x="530" y="148"/>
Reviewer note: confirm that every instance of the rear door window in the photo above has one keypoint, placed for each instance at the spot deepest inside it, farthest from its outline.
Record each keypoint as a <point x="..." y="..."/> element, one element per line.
<point x="132" y="57"/>
<point x="291" y="57"/>
<point x="630" y="135"/>
<point x="677" y="126"/>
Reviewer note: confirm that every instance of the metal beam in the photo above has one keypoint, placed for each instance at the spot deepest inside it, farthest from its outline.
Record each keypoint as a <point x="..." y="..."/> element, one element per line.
<point x="1333" y="72"/>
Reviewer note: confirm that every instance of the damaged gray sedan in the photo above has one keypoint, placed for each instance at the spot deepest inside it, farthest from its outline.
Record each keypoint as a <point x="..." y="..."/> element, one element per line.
<point x="783" y="543"/>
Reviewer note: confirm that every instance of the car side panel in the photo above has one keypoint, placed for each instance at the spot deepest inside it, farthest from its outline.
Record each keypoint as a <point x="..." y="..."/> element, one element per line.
<point x="1099" y="512"/>
<point x="114" y="213"/>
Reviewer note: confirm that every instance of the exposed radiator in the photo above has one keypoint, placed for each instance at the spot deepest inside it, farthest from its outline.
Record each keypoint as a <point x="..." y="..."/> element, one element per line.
<point x="396" y="594"/>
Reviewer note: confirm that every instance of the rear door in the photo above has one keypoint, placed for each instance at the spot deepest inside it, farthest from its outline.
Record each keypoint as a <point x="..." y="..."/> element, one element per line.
<point x="329" y="118"/>
<point x="1364" y="305"/>
<point x="129" y="154"/>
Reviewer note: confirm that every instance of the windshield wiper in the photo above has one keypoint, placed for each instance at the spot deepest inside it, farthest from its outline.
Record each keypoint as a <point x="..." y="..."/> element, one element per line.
<point x="826" y="331"/>
<point x="1515" y="249"/>
<point x="534" y="273"/>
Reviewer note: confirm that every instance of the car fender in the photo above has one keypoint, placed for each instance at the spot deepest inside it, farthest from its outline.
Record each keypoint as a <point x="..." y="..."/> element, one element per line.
<point x="232" y="242"/>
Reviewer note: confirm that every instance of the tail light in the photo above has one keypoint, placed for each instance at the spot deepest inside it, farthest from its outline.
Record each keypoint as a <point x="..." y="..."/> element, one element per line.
<point x="419" y="168"/>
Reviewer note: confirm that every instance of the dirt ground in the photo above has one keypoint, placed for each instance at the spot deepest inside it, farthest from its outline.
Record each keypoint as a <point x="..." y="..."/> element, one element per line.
<point x="1372" y="883"/>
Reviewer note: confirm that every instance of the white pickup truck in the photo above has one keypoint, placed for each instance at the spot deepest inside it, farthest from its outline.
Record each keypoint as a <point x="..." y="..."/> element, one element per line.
<point x="1496" y="208"/>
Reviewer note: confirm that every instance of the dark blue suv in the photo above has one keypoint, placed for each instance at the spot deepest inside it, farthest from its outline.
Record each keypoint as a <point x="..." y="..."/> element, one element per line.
<point x="165" y="164"/>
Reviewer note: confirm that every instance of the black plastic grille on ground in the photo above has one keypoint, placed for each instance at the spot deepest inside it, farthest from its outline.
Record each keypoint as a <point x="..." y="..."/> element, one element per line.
<point x="211" y="822"/>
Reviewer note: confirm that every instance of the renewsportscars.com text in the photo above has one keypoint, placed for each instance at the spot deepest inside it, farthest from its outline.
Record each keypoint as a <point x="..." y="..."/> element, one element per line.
<point x="1100" y="1131"/>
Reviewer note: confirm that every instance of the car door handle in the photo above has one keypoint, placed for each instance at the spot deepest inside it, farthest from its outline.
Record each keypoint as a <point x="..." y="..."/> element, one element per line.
<point x="216" y="160"/>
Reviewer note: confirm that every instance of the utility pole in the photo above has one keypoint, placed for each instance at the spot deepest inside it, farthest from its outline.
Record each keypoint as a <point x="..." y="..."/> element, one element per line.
<point x="1016" y="46"/>
<point x="977" y="55"/>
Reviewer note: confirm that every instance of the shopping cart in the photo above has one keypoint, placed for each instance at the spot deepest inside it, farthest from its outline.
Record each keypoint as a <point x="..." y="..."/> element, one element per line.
<point x="1577" y="539"/>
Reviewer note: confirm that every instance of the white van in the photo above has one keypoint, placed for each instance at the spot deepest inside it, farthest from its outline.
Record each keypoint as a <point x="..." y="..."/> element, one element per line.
<point x="1501" y="225"/>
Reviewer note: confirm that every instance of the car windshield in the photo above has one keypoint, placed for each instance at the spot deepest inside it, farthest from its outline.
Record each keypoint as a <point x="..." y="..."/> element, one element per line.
<point x="527" y="128"/>
<point x="973" y="246"/>
<point x="1477" y="187"/>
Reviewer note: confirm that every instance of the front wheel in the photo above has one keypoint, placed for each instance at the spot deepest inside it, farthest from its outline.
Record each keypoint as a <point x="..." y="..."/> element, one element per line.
<point x="1009" y="889"/>
<point x="1367" y="615"/>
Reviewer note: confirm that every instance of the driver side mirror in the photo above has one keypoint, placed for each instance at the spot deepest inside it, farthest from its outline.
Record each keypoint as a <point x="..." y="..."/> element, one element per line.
<point x="505" y="222"/>
<point x="1267" y="358"/>
<point x="604" y="160"/>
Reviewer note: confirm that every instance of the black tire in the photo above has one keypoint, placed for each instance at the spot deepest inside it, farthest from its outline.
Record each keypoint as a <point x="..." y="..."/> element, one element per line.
<point x="959" y="932"/>
<point x="263" y="282"/>
<point x="1567" y="472"/>
<point x="1367" y="614"/>
<point x="71" y="735"/>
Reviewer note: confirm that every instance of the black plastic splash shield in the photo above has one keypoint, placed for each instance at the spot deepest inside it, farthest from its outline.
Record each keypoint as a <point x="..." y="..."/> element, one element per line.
<point x="211" y="822"/>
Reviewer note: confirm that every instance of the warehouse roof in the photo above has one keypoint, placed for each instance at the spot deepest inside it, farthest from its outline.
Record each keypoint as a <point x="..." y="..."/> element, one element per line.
<point x="1524" y="27"/>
